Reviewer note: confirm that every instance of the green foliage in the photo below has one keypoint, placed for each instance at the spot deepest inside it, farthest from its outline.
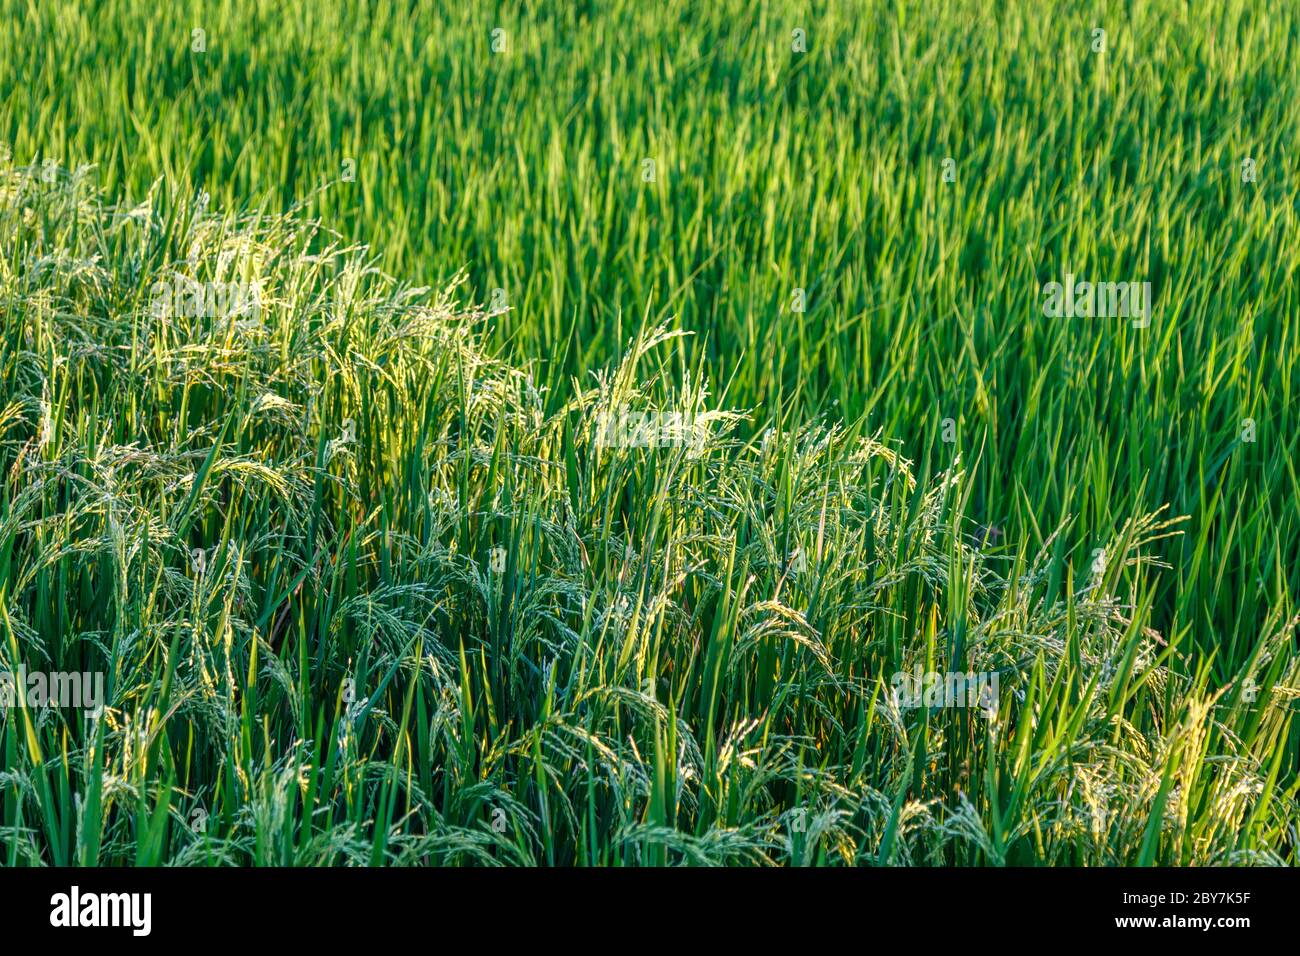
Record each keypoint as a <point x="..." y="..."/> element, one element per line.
<point x="362" y="596"/>
<point x="367" y="586"/>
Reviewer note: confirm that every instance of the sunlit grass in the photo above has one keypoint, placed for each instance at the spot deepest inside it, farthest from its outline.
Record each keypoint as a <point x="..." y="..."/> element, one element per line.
<point x="367" y="588"/>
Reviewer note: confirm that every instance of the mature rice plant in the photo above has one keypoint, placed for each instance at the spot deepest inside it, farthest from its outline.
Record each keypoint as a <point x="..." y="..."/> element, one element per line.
<point x="367" y="591"/>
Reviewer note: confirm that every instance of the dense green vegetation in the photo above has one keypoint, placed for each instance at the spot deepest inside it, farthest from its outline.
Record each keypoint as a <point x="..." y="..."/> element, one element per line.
<point x="367" y="585"/>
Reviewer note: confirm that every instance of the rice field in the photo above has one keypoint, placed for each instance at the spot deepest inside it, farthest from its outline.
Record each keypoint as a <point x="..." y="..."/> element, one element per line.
<point x="614" y="434"/>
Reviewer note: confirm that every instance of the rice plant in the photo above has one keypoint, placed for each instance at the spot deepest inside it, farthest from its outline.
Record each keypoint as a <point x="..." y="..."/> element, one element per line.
<point x="365" y="592"/>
